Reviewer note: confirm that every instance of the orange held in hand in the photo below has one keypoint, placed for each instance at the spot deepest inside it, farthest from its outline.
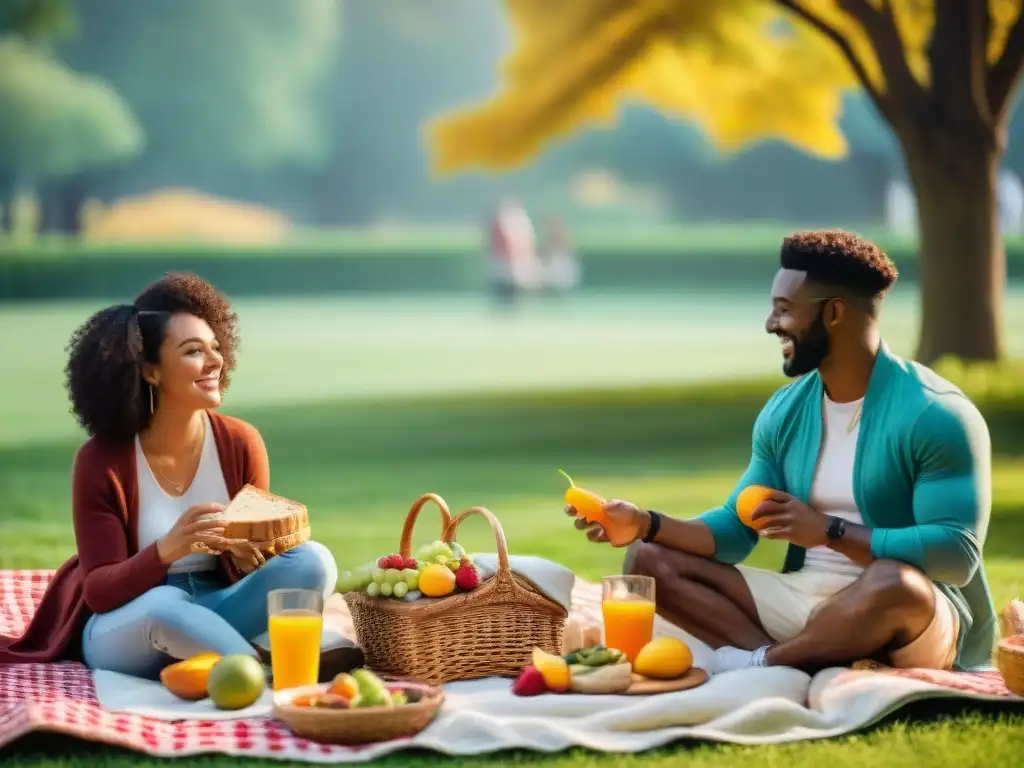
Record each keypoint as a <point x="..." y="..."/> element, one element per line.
<point x="747" y="502"/>
<point x="590" y="507"/>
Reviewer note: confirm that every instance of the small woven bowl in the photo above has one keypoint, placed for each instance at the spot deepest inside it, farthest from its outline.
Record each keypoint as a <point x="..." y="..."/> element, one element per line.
<point x="350" y="727"/>
<point x="1010" y="662"/>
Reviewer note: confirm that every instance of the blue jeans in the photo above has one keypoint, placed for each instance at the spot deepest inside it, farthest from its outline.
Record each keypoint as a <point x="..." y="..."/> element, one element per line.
<point x="193" y="613"/>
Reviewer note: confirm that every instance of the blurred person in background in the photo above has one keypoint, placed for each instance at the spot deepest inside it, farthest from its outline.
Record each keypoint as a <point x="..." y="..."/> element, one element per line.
<point x="562" y="269"/>
<point x="513" y="256"/>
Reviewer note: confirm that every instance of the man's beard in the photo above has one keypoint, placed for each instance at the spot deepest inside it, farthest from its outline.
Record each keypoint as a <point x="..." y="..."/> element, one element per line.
<point x="809" y="349"/>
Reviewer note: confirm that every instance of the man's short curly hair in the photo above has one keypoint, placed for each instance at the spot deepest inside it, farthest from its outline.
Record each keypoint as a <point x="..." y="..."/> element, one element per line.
<point x="842" y="259"/>
<point x="109" y="397"/>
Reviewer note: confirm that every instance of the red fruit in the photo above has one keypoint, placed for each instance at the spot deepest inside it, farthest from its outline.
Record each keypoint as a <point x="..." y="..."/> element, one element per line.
<point x="382" y="562"/>
<point x="396" y="561"/>
<point x="529" y="683"/>
<point x="410" y="562"/>
<point x="467" y="577"/>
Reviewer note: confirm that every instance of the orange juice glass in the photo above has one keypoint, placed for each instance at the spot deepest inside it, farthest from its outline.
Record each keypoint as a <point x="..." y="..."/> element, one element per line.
<point x="627" y="605"/>
<point x="296" y="621"/>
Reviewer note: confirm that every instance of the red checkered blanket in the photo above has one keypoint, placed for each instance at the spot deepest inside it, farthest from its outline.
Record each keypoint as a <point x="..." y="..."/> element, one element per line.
<point x="61" y="698"/>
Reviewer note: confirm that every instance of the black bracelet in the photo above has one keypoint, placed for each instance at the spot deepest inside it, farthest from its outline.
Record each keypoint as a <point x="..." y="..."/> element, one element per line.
<point x="654" y="527"/>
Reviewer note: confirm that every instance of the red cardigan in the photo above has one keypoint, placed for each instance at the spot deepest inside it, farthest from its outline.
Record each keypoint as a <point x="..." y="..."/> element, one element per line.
<point x="110" y="569"/>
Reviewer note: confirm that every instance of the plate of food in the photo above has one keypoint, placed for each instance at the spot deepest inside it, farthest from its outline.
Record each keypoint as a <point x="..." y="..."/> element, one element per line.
<point x="359" y="707"/>
<point x="664" y="665"/>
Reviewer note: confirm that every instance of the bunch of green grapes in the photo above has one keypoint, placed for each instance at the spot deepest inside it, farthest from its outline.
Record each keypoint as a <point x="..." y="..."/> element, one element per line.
<point x="440" y="552"/>
<point x="389" y="582"/>
<point x="355" y="581"/>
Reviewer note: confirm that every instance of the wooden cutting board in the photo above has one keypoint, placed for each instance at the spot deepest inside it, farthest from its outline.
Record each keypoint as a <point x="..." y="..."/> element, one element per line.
<point x="646" y="686"/>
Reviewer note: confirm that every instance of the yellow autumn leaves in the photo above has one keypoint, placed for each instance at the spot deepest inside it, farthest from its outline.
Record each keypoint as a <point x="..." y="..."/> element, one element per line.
<point x="742" y="70"/>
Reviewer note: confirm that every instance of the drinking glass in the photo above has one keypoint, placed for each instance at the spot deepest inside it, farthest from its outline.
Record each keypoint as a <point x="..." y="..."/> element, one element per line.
<point x="627" y="605"/>
<point x="296" y="621"/>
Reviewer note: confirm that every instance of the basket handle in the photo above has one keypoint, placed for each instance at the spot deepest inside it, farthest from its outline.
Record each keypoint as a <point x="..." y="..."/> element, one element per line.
<point x="405" y="547"/>
<point x="499" y="534"/>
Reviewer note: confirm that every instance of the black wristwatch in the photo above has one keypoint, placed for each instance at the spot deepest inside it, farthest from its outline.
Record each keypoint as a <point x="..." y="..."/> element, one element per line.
<point x="654" y="527"/>
<point x="835" y="529"/>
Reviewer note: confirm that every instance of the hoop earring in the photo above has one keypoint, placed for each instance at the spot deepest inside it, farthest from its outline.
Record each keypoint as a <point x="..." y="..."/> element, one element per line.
<point x="150" y="399"/>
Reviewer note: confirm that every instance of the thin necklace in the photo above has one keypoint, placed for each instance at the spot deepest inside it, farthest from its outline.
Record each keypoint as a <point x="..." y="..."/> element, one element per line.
<point x="856" y="418"/>
<point x="179" y="488"/>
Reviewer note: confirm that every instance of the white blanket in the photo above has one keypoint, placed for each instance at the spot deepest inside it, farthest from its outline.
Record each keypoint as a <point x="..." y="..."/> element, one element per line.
<point x="757" y="706"/>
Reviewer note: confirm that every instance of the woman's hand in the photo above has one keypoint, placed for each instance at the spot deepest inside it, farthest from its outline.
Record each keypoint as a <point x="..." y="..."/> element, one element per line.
<point x="192" y="533"/>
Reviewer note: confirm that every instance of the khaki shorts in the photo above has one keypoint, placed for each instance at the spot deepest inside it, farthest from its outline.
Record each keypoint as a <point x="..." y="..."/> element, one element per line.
<point x="785" y="601"/>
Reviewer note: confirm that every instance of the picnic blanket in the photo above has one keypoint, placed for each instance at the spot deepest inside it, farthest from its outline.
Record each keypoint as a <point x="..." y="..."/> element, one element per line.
<point x="747" y="707"/>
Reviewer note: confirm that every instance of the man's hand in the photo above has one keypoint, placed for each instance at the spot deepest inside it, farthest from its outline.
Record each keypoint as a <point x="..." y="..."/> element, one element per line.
<point x="789" y="519"/>
<point x="628" y="516"/>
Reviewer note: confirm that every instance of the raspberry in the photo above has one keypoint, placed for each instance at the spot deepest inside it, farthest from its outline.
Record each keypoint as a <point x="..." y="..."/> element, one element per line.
<point x="382" y="562"/>
<point x="466" y="577"/>
<point x="529" y="683"/>
<point x="396" y="561"/>
<point x="410" y="562"/>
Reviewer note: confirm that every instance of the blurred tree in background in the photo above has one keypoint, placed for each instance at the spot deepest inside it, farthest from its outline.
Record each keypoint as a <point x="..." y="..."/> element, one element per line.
<point x="38" y="21"/>
<point x="57" y="126"/>
<point x="942" y="74"/>
<point x="230" y="93"/>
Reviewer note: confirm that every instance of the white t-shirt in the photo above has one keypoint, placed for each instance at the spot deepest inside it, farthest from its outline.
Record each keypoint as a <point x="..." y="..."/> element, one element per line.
<point x="832" y="491"/>
<point x="158" y="510"/>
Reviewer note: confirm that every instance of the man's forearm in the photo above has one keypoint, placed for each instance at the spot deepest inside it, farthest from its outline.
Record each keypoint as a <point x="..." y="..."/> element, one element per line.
<point x="855" y="544"/>
<point x="691" y="536"/>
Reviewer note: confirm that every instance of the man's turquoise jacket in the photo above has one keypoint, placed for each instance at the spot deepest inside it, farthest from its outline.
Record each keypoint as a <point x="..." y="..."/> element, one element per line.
<point x="921" y="478"/>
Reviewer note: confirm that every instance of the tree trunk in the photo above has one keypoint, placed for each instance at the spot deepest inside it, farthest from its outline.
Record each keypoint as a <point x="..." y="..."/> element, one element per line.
<point x="962" y="257"/>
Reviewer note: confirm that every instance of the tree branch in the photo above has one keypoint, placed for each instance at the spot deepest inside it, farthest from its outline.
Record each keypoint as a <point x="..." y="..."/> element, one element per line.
<point x="1004" y="75"/>
<point x="883" y="103"/>
<point x="879" y="25"/>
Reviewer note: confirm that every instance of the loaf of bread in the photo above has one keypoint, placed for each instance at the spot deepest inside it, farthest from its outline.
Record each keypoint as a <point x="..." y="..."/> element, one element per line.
<point x="270" y="524"/>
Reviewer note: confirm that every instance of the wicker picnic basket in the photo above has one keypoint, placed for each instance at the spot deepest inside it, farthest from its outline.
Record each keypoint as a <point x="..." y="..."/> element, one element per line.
<point x="1010" y="663"/>
<point x="489" y="631"/>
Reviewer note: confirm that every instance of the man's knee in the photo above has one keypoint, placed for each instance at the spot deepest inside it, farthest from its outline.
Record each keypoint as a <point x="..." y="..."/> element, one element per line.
<point x="890" y="584"/>
<point x="642" y="559"/>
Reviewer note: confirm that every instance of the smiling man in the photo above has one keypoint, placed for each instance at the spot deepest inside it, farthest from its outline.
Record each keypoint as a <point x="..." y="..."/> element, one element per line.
<point x="883" y="492"/>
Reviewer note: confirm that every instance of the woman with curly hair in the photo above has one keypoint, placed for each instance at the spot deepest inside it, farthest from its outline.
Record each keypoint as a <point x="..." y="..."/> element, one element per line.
<point x="152" y="581"/>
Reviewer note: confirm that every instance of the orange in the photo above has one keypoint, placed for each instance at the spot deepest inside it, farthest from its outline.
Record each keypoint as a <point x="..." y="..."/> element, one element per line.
<point x="344" y="685"/>
<point x="747" y="502"/>
<point x="437" y="580"/>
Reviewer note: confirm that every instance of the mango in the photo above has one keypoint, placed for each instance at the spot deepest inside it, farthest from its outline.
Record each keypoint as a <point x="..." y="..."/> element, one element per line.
<point x="554" y="670"/>
<point x="187" y="679"/>
<point x="664" y="658"/>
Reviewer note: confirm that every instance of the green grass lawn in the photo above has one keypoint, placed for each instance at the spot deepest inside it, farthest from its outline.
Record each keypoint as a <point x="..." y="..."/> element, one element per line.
<point x="413" y="396"/>
<point x="358" y="465"/>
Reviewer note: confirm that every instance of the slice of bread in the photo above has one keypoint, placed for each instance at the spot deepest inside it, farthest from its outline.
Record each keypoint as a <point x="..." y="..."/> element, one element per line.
<point x="266" y="520"/>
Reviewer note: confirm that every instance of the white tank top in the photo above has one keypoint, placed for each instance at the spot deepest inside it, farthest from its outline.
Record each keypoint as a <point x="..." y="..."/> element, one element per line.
<point x="832" y="492"/>
<point x="158" y="510"/>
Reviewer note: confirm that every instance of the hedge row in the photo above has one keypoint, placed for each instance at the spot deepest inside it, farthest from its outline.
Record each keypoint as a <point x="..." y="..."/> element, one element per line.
<point x="55" y="271"/>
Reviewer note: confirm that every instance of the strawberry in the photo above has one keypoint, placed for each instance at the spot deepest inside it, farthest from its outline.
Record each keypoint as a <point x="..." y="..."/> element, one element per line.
<point x="529" y="683"/>
<point x="467" y="577"/>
